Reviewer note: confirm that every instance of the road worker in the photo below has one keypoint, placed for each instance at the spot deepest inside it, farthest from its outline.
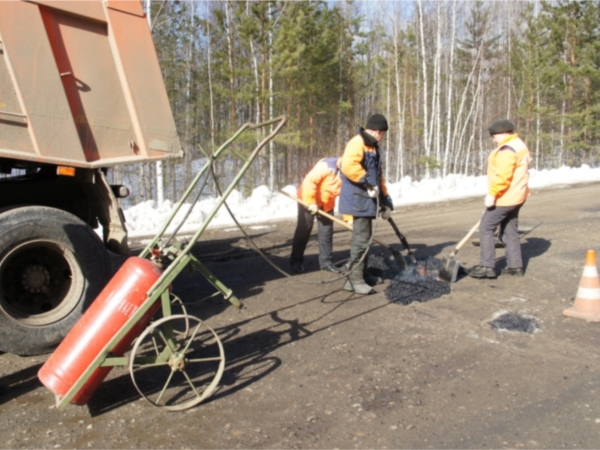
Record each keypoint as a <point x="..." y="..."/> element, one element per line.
<point x="319" y="190"/>
<point x="508" y="178"/>
<point x="363" y="189"/>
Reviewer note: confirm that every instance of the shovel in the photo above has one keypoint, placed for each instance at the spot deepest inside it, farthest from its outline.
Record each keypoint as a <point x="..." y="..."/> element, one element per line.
<point x="449" y="269"/>
<point x="395" y="253"/>
<point x="413" y="260"/>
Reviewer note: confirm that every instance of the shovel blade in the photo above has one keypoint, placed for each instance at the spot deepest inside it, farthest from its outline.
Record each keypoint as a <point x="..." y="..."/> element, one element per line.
<point x="449" y="269"/>
<point x="400" y="261"/>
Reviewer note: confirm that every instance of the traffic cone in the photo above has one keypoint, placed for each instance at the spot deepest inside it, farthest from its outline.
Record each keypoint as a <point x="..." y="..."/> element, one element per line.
<point x="587" y="301"/>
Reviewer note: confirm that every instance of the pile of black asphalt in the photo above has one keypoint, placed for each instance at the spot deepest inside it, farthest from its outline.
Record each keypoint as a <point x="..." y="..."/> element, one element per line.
<point x="514" y="322"/>
<point x="416" y="283"/>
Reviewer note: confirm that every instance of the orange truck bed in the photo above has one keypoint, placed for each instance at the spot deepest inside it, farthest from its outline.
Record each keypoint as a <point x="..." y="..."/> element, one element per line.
<point x="80" y="85"/>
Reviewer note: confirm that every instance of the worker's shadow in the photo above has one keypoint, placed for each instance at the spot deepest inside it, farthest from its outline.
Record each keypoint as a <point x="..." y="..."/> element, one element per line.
<point x="19" y="383"/>
<point x="530" y="248"/>
<point x="533" y="247"/>
<point x="248" y="359"/>
<point x="249" y="356"/>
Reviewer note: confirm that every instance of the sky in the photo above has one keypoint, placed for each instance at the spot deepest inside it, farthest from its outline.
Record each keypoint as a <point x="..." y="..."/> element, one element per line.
<point x="262" y="207"/>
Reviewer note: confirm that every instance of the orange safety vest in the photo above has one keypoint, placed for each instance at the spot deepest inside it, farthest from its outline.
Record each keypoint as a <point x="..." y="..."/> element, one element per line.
<point x="322" y="185"/>
<point x="361" y="163"/>
<point x="508" y="172"/>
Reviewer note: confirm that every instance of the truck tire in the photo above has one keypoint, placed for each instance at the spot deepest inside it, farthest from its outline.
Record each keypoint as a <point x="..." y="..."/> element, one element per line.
<point x="52" y="266"/>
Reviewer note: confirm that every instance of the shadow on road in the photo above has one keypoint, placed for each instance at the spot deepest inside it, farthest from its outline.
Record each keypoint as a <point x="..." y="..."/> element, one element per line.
<point x="20" y="383"/>
<point x="249" y="357"/>
<point x="534" y="247"/>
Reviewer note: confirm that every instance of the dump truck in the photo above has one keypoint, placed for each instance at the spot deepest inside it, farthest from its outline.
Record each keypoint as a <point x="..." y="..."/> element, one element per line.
<point x="81" y="91"/>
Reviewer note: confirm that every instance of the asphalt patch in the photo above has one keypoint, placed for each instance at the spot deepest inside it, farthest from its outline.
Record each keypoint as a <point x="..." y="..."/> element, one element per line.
<point x="381" y="266"/>
<point x="417" y="283"/>
<point x="515" y="322"/>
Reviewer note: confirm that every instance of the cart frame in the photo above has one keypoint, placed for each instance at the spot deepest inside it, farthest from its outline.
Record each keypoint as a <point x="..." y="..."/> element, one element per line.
<point x="178" y="257"/>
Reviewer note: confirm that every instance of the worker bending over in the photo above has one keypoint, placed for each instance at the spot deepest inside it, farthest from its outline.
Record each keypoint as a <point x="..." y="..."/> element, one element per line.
<point x="318" y="190"/>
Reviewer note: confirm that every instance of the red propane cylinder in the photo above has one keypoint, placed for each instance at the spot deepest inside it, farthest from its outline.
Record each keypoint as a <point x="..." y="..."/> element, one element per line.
<point x="119" y="300"/>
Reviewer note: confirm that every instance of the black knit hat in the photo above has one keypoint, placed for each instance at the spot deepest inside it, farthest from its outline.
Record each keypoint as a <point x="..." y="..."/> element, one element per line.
<point x="377" y="122"/>
<point x="501" y="126"/>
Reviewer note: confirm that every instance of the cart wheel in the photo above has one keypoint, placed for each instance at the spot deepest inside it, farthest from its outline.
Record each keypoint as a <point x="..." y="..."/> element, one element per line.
<point x="177" y="305"/>
<point x="177" y="362"/>
<point x="177" y="308"/>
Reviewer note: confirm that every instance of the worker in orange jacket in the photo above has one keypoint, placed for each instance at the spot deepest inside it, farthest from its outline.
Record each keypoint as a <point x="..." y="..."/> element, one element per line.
<point x="318" y="190"/>
<point x="508" y="188"/>
<point x="364" y="196"/>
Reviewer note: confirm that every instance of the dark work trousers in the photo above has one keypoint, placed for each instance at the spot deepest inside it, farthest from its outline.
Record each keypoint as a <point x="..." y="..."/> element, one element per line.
<point x="361" y="234"/>
<point x="302" y="234"/>
<point x="508" y="219"/>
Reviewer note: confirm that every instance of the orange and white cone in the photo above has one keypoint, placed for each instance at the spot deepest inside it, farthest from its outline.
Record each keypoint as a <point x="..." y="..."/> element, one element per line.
<point x="587" y="301"/>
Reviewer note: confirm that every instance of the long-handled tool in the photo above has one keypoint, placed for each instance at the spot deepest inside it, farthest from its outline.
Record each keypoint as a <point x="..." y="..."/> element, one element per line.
<point x="449" y="268"/>
<point x="395" y="253"/>
<point x="413" y="260"/>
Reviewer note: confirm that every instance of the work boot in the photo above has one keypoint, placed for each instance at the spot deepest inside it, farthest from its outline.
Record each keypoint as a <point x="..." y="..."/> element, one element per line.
<point x="348" y="284"/>
<point x="356" y="280"/>
<point x="515" y="271"/>
<point x="331" y="268"/>
<point x="298" y="268"/>
<point x="359" y="288"/>
<point x="482" y="272"/>
<point x="371" y="280"/>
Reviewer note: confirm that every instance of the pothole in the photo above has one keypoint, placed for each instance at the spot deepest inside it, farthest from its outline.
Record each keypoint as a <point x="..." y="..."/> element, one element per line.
<point x="417" y="283"/>
<point x="508" y="321"/>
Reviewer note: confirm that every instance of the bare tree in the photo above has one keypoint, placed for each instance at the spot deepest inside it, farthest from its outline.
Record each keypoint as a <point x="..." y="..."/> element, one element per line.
<point x="450" y="92"/>
<point x="425" y="92"/>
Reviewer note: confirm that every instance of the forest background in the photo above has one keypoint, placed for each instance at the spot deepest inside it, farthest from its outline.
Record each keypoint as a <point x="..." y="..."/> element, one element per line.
<point x="441" y="71"/>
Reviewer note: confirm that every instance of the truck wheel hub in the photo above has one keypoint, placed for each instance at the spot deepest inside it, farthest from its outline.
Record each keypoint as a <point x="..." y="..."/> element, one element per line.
<point x="35" y="279"/>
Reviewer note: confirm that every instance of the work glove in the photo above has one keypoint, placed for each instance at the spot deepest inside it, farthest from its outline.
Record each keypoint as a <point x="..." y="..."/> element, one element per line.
<point x="372" y="191"/>
<point x="312" y="208"/>
<point x="489" y="201"/>
<point x="387" y="201"/>
<point x="386" y="212"/>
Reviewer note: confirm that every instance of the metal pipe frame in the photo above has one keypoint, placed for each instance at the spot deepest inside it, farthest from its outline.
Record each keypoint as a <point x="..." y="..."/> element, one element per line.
<point x="160" y="289"/>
